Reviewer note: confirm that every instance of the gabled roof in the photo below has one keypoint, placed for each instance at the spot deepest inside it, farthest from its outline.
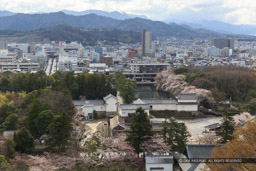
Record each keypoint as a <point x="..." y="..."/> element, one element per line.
<point x="109" y="96"/>
<point x="198" y="151"/>
<point x="138" y="101"/>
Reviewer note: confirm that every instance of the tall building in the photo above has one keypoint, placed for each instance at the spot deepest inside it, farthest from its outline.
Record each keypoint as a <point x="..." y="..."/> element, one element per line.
<point x="146" y="43"/>
<point x="108" y="60"/>
<point x="223" y="43"/>
<point x="3" y="44"/>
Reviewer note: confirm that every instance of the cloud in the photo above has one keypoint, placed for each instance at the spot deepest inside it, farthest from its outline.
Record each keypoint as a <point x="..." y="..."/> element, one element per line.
<point x="232" y="11"/>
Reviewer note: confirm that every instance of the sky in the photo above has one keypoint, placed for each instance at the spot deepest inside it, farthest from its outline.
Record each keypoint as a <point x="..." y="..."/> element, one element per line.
<point x="231" y="11"/>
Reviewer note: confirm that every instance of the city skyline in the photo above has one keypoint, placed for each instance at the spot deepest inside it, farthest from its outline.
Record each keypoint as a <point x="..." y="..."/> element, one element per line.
<point x="238" y="12"/>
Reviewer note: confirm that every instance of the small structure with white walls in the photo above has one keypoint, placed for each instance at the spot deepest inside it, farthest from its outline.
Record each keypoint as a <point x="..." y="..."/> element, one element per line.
<point x="163" y="163"/>
<point x="104" y="107"/>
<point x="126" y="109"/>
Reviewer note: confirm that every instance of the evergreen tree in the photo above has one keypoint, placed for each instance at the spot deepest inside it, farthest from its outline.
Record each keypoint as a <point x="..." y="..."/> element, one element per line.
<point x="226" y="129"/>
<point x="6" y="110"/>
<point x="128" y="90"/>
<point x="42" y="121"/>
<point x="126" y="87"/>
<point x="24" y="141"/>
<point x="11" y="122"/>
<point x="59" y="131"/>
<point x="10" y="148"/>
<point x="175" y="134"/>
<point x="32" y="115"/>
<point x="141" y="130"/>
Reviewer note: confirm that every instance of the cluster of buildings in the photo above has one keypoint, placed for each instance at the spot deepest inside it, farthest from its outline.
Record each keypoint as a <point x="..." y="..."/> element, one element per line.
<point x="139" y="61"/>
<point x="10" y="61"/>
<point x="110" y="105"/>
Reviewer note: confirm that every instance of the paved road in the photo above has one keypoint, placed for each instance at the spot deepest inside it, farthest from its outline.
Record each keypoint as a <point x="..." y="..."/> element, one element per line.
<point x="197" y="126"/>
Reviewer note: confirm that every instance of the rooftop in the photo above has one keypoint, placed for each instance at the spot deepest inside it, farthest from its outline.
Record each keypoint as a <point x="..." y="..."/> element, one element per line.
<point x="134" y="106"/>
<point x="79" y="102"/>
<point x="159" y="159"/>
<point x="94" y="102"/>
<point x="159" y="101"/>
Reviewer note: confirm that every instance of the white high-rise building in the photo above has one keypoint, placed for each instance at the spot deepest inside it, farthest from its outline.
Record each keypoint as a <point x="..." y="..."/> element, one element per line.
<point x="146" y="43"/>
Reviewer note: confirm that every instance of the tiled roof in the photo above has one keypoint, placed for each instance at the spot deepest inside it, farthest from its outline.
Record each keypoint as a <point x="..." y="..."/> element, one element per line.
<point x="79" y="102"/>
<point x="108" y="96"/>
<point x="159" y="101"/>
<point x="95" y="102"/>
<point x="134" y="106"/>
<point x="198" y="151"/>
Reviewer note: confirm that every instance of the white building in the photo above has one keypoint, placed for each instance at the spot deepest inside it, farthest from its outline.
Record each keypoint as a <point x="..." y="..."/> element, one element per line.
<point x="183" y="102"/>
<point x="106" y="106"/>
<point x="187" y="102"/>
<point x="158" y="104"/>
<point x="157" y="163"/>
<point x="212" y="51"/>
<point x="126" y="109"/>
<point x="20" y="67"/>
<point x="67" y="62"/>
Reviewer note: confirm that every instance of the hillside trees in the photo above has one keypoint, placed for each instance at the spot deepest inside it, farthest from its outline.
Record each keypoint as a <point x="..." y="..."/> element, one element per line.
<point x="10" y="148"/>
<point x="59" y="131"/>
<point x="32" y="116"/>
<point x="24" y="141"/>
<point x="242" y="147"/>
<point x="91" y="86"/>
<point x="235" y="82"/>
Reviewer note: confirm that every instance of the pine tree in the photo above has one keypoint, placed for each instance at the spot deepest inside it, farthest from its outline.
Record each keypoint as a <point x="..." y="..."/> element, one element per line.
<point x="42" y="122"/>
<point x="24" y="141"/>
<point x="32" y="115"/>
<point x="59" y="131"/>
<point x="175" y="134"/>
<point x="226" y="129"/>
<point x="10" y="148"/>
<point x="141" y="130"/>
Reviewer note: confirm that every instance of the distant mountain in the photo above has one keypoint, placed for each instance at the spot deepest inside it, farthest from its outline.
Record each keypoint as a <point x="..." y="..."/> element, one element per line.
<point x="69" y="33"/>
<point x="25" y="22"/>
<point x="223" y="27"/>
<point x="162" y="29"/>
<point x="6" y="13"/>
<point x="113" y="14"/>
<point x="35" y="21"/>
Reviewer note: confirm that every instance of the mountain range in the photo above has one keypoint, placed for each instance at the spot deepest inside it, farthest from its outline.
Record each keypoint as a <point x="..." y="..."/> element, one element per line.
<point x="216" y="26"/>
<point x="25" y="22"/>
<point x="69" y="33"/>
<point x="223" y="27"/>
<point x="29" y="24"/>
<point x="6" y="13"/>
<point x="113" y="14"/>
<point x="33" y="20"/>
